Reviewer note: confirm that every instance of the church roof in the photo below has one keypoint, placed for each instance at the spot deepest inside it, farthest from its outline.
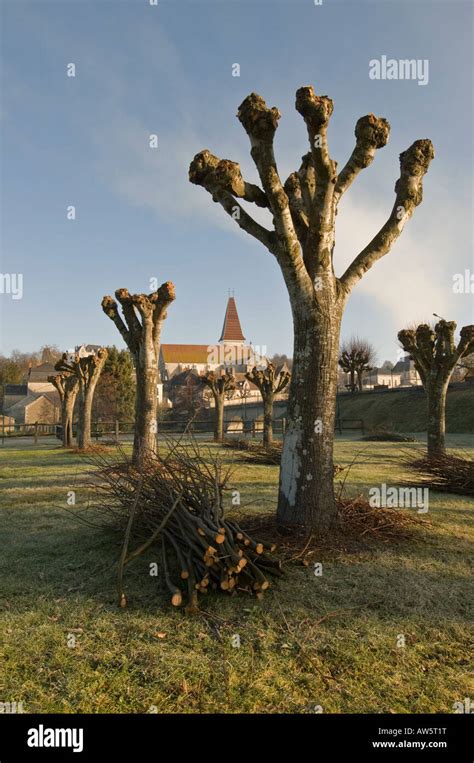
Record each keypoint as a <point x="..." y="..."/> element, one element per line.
<point x="185" y="353"/>
<point x="231" y="330"/>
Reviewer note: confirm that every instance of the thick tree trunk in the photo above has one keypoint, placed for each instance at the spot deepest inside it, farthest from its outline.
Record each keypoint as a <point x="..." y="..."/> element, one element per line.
<point x="69" y="433"/>
<point x="436" y="399"/>
<point x="359" y="381"/>
<point x="306" y="494"/>
<point x="268" y="420"/>
<point x="219" y="419"/>
<point x="67" y="414"/>
<point x="64" y="422"/>
<point x="146" y="404"/>
<point x="85" y="418"/>
<point x="80" y="418"/>
<point x="352" y="380"/>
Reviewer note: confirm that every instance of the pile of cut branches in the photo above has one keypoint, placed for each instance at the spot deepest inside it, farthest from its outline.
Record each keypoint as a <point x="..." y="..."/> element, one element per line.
<point x="177" y="501"/>
<point x="446" y="473"/>
<point x="387" y="435"/>
<point x="359" y="526"/>
<point x="255" y="452"/>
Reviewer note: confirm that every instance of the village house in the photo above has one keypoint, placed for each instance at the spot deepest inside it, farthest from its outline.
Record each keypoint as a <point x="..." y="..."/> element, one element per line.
<point x="409" y="376"/>
<point x="36" y="400"/>
<point x="381" y="377"/>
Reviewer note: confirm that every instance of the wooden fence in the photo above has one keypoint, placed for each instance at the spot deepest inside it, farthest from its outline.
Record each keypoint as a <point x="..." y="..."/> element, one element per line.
<point x="114" y="429"/>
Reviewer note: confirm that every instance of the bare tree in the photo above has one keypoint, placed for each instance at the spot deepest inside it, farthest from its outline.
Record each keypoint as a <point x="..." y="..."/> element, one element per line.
<point x="67" y="385"/>
<point x="220" y="387"/>
<point x="435" y="355"/>
<point x="270" y="384"/>
<point x="87" y="371"/>
<point x="302" y="241"/>
<point x="140" y="327"/>
<point x="357" y="356"/>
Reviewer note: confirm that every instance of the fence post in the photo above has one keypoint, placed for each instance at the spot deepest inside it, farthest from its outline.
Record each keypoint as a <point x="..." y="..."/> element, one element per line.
<point x="117" y="430"/>
<point x="283" y="426"/>
<point x="36" y="433"/>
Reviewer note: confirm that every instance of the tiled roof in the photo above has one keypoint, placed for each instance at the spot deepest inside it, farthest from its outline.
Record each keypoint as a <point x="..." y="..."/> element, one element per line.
<point x="185" y="353"/>
<point x="16" y="389"/>
<point x="41" y="372"/>
<point x="231" y="330"/>
<point x="403" y="365"/>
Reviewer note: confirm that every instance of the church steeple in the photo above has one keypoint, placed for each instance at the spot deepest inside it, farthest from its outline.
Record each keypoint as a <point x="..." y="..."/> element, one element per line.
<point x="231" y="330"/>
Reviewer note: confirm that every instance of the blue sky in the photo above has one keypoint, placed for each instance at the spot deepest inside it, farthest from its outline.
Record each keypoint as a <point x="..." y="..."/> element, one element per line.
<point x="142" y="69"/>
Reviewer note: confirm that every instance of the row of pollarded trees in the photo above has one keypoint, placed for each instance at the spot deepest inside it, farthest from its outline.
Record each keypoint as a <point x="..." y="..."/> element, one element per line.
<point x="268" y="382"/>
<point x="77" y="377"/>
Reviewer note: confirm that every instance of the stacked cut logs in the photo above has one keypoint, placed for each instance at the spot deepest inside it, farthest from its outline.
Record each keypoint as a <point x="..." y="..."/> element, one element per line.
<point x="178" y="500"/>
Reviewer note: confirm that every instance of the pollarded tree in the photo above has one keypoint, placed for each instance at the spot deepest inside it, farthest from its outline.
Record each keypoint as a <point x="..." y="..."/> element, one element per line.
<point x="269" y="384"/>
<point x="140" y="327"/>
<point x="220" y="386"/>
<point x="435" y="355"/>
<point x="357" y="356"/>
<point x="87" y="371"/>
<point x="302" y="241"/>
<point x="67" y="385"/>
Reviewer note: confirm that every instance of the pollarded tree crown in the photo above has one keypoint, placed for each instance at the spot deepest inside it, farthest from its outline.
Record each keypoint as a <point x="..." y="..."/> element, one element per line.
<point x="304" y="207"/>
<point x="258" y="121"/>
<point x="218" y="383"/>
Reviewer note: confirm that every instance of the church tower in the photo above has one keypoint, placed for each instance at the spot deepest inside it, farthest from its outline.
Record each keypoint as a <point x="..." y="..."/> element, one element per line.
<point x="232" y="339"/>
<point x="231" y="330"/>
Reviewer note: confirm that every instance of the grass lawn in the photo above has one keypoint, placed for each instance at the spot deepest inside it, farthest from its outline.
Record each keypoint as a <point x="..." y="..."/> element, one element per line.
<point x="327" y="642"/>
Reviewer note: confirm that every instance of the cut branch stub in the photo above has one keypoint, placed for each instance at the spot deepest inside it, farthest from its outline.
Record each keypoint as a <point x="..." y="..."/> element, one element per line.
<point x="162" y="299"/>
<point x="258" y="121"/>
<point x="223" y="174"/>
<point x="316" y="110"/>
<point x="372" y="131"/>
<point x="202" y="165"/>
<point x="466" y="344"/>
<point x="227" y="175"/>
<point x="414" y="163"/>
